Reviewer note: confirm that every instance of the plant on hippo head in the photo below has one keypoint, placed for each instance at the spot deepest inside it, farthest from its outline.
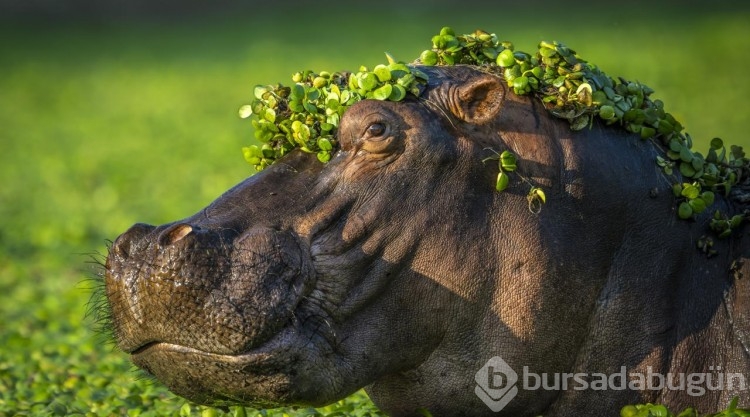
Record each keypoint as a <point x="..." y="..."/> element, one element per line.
<point x="307" y="114"/>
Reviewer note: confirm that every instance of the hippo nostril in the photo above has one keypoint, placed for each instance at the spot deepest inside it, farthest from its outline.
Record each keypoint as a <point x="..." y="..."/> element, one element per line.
<point x="121" y="247"/>
<point x="123" y="244"/>
<point x="174" y="234"/>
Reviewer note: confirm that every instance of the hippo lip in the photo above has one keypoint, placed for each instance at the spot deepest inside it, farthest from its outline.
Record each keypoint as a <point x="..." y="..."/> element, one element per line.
<point x="181" y="349"/>
<point x="144" y="347"/>
<point x="269" y="373"/>
<point x="150" y="357"/>
<point x="266" y="349"/>
<point x="155" y="345"/>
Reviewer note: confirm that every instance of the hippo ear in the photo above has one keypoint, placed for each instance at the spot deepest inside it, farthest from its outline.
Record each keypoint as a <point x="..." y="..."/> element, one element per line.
<point x="478" y="101"/>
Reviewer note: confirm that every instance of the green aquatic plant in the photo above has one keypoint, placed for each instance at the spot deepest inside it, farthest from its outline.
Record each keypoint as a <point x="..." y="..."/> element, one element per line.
<point x="306" y="115"/>
<point x="658" y="410"/>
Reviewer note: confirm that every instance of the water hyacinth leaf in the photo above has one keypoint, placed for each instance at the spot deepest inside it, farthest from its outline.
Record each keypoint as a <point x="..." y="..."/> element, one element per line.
<point x="304" y="133"/>
<point x="508" y="161"/>
<point x="270" y="115"/>
<point x="675" y="156"/>
<point x="717" y="143"/>
<point x="333" y="119"/>
<point x="685" y="154"/>
<point x="580" y="122"/>
<point x="690" y="191"/>
<point x="260" y="91"/>
<point x="245" y="111"/>
<point x="296" y="106"/>
<point x="399" y="69"/>
<point x="506" y="58"/>
<point x="344" y="96"/>
<point x="368" y="81"/>
<point x="353" y="83"/>
<point x="547" y="50"/>
<point x="698" y="205"/>
<point x="297" y="92"/>
<point x="712" y="156"/>
<point x="647" y="132"/>
<point x="252" y="154"/>
<point x="665" y="127"/>
<point x="333" y="103"/>
<point x="383" y="92"/>
<point x="324" y="156"/>
<point x="697" y="163"/>
<point x="708" y="197"/>
<point x="606" y="112"/>
<point x="429" y="58"/>
<point x="539" y="193"/>
<point x="502" y="181"/>
<point x="490" y="52"/>
<point x="382" y="72"/>
<point x="310" y="108"/>
<point x="324" y="144"/>
<point x="398" y="93"/>
<point x="520" y="83"/>
<point x="687" y="170"/>
<point x="312" y="93"/>
<point x="447" y="30"/>
<point x="263" y="135"/>
<point x="406" y="80"/>
<point x="267" y="151"/>
<point x="684" y="211"/>
<point x="257" y="107"/>
<point x="320" y="82"/>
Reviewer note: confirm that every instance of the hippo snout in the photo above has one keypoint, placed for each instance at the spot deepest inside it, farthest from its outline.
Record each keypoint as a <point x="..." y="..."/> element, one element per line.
<point x="213" y="291"/>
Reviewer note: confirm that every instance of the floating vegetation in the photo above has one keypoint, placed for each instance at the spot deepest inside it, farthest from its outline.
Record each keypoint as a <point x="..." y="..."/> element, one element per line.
<point x="307" y="114"/>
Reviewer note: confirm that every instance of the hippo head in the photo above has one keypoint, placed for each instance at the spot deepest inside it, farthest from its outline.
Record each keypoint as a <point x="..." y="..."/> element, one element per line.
<point x="307" y="281"/>
<point x="396" y="266"/>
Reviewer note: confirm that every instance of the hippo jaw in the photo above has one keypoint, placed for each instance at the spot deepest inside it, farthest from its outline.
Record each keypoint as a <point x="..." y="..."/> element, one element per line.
<point x="182" y="299"/>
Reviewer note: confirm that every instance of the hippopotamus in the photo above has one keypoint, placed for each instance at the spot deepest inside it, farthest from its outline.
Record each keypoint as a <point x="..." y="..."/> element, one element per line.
<point x="399" y="268"/>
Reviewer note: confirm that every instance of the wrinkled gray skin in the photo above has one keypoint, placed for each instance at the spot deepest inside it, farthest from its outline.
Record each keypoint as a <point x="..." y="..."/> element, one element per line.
<point x="397" y="267"/>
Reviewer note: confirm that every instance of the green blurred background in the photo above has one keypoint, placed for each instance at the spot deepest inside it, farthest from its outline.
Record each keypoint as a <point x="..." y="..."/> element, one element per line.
<point x="119" y="112"/>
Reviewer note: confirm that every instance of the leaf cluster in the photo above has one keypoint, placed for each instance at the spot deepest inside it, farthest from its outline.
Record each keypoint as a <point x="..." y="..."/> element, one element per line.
<point x="478" y="48"/>
<point x="306" y="114"/>
<point x="507" y="163"/>
<point x="658" y="410"/>
<point x="573" y="89"/>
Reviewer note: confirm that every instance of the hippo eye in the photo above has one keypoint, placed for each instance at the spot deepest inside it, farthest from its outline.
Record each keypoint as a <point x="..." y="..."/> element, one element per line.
<point x="375" y="129"/>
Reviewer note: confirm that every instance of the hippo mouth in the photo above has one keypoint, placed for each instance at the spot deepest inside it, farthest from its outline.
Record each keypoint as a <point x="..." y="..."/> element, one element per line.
<point x="276" y="373"/>
<point x="218" y="323"/>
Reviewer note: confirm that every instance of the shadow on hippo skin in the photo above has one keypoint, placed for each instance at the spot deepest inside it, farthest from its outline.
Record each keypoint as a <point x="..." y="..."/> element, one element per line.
<point x="423" y="342"/>
<point x="446" y="382"/>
